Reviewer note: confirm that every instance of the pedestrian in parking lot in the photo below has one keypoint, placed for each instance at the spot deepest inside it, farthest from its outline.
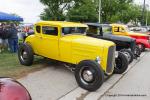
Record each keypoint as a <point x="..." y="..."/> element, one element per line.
<point x="1" y="41"/>
<point x="3" y="37"/>
<point x="13" y="39"/>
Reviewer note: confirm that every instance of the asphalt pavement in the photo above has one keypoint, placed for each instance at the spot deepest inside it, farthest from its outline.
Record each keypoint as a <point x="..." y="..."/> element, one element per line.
<point x="58" y="83"/>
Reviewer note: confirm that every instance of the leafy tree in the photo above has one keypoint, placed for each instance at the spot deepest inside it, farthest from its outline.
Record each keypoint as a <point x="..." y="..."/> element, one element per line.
<point x="112" y="7"/>
<point x="85" y="12"/>
<point x="133" y="13"/>
<point x="55" y="9"/>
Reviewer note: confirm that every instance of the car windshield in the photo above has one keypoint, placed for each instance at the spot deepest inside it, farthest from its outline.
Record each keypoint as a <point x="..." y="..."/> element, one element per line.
<point x="107" y="29"/>
<point x="73" y="30"/>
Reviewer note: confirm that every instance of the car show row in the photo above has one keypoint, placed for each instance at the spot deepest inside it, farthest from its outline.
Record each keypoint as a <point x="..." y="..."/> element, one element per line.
<point x="91" y="50"/>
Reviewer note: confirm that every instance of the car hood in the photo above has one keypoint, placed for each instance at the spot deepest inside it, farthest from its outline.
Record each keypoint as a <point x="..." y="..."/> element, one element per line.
<point x="118" y="38"/>
<point x="82" y="39"/>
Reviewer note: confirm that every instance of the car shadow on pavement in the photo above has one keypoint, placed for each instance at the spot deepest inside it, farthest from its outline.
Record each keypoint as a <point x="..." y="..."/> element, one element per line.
<point x="46" y="62"/>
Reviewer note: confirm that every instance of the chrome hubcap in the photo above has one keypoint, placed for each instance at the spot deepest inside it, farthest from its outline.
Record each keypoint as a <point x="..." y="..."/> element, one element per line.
<point x="24" y="55"/>
<point x="127" y="55"/>
<point x="87" y="75"/>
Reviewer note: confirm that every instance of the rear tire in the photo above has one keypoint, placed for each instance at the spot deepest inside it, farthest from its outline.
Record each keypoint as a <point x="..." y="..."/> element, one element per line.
<point x="89" y="75"/>
<point x="129" y="54"/>
<point x="25" y="54"/>
<point x="137" y="51"/>
<point x="121" y="63"/>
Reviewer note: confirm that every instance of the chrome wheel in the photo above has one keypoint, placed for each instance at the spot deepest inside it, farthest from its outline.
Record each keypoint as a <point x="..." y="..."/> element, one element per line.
<point x="24" y="55"/>
<point x="127" y="55"/>
<point x="89" y="75"/>
<point x="86" y="75"/>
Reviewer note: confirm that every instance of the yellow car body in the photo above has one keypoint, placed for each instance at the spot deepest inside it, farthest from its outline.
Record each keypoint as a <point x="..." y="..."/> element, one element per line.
<point x="119" y="29"/>
<point x="71" y="48"/>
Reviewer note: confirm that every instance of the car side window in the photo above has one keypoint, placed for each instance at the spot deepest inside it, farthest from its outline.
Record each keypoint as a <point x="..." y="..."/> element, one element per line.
<point x="38" y="29"/>
<point x="116" y="29"/>
<point x="48" y="30"/>
<point x="92" y="29"/>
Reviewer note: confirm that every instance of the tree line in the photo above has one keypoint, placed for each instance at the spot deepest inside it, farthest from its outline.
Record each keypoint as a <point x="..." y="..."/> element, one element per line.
<point x="123" y="11"/>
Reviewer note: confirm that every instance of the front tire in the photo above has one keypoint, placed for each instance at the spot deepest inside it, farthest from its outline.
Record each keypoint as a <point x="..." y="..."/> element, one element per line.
<point x="89" y="75"/>
<point x="129" y="54"/>
<point x="121" y="64"/>
<point x="25" y="54"/>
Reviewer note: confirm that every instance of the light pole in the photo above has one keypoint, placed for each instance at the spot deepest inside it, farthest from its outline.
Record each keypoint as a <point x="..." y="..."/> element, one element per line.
<point x="147" y="7"/>
<point x="99" y="11"/>
<point x="143" y="13"/>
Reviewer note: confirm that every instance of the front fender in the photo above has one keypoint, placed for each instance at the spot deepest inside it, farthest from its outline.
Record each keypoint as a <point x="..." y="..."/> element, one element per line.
<point x="144" y="42"/>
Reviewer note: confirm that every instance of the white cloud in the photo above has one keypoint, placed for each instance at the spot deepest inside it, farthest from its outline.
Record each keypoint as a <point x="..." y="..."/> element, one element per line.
<point x="140" y="2"/>
<point x="28" y="9"/>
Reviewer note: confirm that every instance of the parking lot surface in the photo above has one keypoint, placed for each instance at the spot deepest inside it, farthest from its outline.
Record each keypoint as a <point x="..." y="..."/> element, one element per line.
<point x="58" y="83"/>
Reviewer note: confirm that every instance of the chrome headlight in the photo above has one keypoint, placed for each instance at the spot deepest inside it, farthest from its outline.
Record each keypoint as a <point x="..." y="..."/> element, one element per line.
<point x="98" y="60"/>
<point x="116" y="54"/>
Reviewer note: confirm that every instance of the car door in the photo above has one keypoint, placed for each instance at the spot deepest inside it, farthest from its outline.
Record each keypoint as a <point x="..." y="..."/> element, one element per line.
<point x="37" y="40"/>
<point x="49" y="43"/>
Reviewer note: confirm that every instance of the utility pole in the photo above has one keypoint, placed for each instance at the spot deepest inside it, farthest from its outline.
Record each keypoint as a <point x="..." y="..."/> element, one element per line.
<point x="147" y="7"/>
<point x="99" y="11"/>
<point x="143" y="13"/>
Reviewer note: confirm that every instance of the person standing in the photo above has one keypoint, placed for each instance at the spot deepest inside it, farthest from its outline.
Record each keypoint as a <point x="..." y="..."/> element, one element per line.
<point x="1" y="40"/>
<point x="3" y="37"/>
<point x="13" y="39"/>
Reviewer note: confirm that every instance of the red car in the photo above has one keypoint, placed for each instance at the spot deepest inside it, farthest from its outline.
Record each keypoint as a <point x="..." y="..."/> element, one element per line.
<point x="12" y="90"/>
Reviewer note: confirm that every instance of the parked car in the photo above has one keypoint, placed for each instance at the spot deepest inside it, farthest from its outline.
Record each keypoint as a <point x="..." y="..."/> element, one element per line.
<point x="124" y="44"/>
<point x="142" y="29"/>
<point x="66" y="42"/>
<point x="142" y="40"/>
<point x="10" y="89"/>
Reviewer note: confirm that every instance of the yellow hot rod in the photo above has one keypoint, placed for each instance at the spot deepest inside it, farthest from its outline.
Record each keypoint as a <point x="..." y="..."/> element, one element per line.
<point x="66" y="42"/>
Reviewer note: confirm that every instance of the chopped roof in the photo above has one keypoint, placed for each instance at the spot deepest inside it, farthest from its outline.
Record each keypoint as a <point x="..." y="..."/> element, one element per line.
<point x="62" y="23"/>
<point x="118" y="25"/>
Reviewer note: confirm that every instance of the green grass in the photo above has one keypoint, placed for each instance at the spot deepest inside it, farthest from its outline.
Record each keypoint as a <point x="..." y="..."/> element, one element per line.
<point x="10" y="66"/>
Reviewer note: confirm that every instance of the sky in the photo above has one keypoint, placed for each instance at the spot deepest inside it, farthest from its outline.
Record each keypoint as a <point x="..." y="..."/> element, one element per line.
<point x="31" y="9"/>
<point x="140" y="2"/>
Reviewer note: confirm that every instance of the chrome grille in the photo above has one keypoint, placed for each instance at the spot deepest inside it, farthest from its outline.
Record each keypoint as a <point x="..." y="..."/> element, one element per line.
<point x="111" y="59"/>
